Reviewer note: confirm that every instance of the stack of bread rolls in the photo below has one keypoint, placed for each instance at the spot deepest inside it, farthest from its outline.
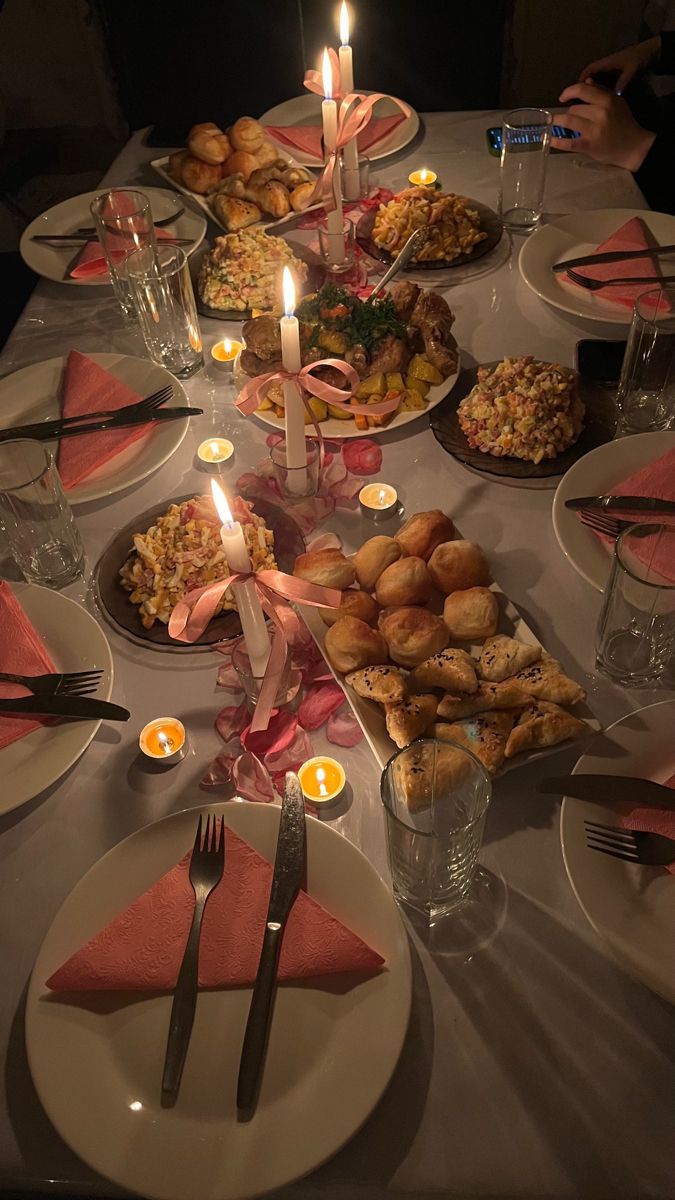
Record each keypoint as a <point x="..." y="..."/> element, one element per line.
<point x="414" y="606"/>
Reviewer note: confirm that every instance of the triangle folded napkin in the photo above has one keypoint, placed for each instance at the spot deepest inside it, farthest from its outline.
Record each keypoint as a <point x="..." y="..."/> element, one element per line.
<point x="651" y="820"/>
<point x="87" y="388"/>
<point x="142" y="948"/>
<point x="634" y="235"/>
<point x="309" y="138"/>
<point x="90" y="262"/>
<point x="22" y="652"/>
<point x="657" y="479"/>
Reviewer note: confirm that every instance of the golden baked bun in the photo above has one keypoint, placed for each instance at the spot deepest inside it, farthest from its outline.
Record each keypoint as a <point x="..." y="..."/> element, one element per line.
<point x="456" y="566"/>
<point x="471" y="615"/>
<point x="174" y="167"/>
<point x="266" y="153"/>
<point x="329" y="568"/>
<point x="373" y="558"/>
<point x="404" y="582"/>
<point x="301" y="196"/>
<point x="272" y="197"/>
<point x="199" y="176"/>
<point x="412" y="634"/>
<point x="350" y="644"/>
<point x="424" y="531"/>
<point x="209" y="143"/>
<point x="247" y="134"/>
<point x="240" y="163"/>
<point x="235" y="213"/>
<point x="353" y="604"/>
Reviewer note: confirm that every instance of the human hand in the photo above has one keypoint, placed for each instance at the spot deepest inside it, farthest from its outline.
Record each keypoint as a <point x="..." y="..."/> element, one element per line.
<point x="608" y="129"/>
<point x="628" y="63"/>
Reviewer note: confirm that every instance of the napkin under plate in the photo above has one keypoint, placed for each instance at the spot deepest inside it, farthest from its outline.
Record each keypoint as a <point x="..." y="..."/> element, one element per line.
<point x="309" y="138"/>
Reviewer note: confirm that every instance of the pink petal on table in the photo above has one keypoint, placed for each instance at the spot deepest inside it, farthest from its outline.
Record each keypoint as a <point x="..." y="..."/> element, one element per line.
<point x="257" y="488"/>
<point x="227" y="678"/>
<point x="232" y="720"/>
<point x="273" y="439"/>
<point x="294" y="684"/>
<point x="292" y="756"/>
<point x="333" y="474"/>
<point x="252" y="779"/>
<point x="307" y="513"/>
<point x="279" y="734"/>
<point x="318" y="703"/>
<point x="324" y="541"/>
<point x="219" y="772"/>
<point x="331" y="447"/>
<point x="343" y="729"/>
<point x="362" y="456"/>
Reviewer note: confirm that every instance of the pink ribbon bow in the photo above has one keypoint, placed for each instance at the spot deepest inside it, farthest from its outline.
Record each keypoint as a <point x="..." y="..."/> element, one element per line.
<point x="274" y="589"/>
<point x="253" y="393"/>
<point x="313" y="80"/>
<point x="355" y="112"/>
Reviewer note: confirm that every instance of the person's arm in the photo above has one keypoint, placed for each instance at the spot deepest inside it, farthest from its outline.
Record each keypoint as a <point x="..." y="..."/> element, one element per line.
<point x="628" y="62"/>
<point x="655" y="177"/>
<point x="607" y="128"/>
<point x="665" y="63"/>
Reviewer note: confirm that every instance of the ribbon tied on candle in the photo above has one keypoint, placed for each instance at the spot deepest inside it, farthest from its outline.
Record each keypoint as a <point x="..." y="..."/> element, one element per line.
<point x="275" y="590"/>
<point x="356" y="111"/>
<point x="313" y="80"/>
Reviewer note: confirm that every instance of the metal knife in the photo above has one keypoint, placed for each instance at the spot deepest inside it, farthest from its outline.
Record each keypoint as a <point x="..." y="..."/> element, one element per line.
<point x="67" y="706"/>
<point x="43" y="431"/>
<point x="65" y="240"/>
<point x="289" y="866"/>
<point x="605" y="788"/>
<point x="588" y="260"/>
<point x="639" y="504"/>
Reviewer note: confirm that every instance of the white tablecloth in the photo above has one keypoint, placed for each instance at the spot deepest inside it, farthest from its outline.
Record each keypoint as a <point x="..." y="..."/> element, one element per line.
<point x="535" y="1067"/>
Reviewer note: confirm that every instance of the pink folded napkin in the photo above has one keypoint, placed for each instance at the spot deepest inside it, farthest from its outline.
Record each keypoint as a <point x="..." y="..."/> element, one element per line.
<point x="22" y="652"/>
<point x="142" y="948"/>
<point x="91" y="262"/>
<point x="650" y="820"/>
<point x="309" y="137"/>
<point x="656" y="479"/>
<point x="634" y="235"/>
<point x="86" y="388"/>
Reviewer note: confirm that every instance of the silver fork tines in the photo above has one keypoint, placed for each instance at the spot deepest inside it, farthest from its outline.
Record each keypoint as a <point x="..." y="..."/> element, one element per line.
<point x="630" y="845"/>
<point x="610" y="526"/>
<point x="69" y="683"/>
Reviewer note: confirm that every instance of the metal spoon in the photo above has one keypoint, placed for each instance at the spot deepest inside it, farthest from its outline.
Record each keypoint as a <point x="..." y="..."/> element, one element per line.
<point x="402" y="259"/>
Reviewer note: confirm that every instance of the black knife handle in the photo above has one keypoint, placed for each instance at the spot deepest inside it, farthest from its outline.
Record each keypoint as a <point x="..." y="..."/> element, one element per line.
<point x="183" y="1008"/>
<point x="259" y="1020"/>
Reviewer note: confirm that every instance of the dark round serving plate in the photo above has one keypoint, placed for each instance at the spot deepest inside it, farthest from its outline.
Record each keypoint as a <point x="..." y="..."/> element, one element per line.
<point x="489" y="221"/>
<point x="599" y="427"/>
<point x="288" y="544"/>
<point x="315" y="278"/>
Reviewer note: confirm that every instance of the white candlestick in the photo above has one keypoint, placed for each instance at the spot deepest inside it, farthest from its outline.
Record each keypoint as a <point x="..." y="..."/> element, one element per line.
<point x="335" y="218"/>
<point x="248" y="605"/>
<point x="350" y="154"/>
<point x="294" y="410"/>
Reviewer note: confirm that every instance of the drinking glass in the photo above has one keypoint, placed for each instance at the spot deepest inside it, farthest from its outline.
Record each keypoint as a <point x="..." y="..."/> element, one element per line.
<point x="165" y="306"/>
<point x="364" y="176"/>
<point x="326" y="248"/>
<point x="635" y="642"/>
<point x="251" y="684"/>
<point x="124" y="224"/>
<point x="526" y="134"/>
<point x="36" y="517"/>
<point x="435" y="797"/>
<point x="296" y="482"/>
<point x="646" y="395"/>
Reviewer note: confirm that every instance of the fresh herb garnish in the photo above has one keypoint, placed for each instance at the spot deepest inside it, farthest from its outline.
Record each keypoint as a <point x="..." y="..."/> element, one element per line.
<point x="363" y="324"/>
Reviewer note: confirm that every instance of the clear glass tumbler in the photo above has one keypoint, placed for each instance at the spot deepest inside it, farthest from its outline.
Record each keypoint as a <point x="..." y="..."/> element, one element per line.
<point x="435" y="797"/>
<point x="326" y="248"/>
<point x="526" y="134"/>
<point x="165" y="306"/>
<point x="296" y="483"/>
<point x="124" y="224"/>
<point x="35" y="515"/>
<point x="635" y="642"/>
<point x="646" y="395"/>
<point x="251" y="684"/>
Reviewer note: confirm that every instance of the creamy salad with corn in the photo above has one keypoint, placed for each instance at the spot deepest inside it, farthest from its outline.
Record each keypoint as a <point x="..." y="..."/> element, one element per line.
<point x="243" y="271"/>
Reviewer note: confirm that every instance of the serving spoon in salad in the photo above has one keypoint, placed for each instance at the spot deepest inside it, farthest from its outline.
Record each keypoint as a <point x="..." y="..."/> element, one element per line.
<point x="413" y="244"/>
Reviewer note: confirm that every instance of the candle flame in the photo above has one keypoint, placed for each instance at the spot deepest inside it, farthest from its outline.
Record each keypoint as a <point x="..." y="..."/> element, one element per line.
<point x="220" y="501"/>
<point x="423" y="175"/>
<point x="165" y="742"/>
<point x="320" y="778"/>
<point x="344" y="24"/>
<point x="227" y="345"/>
<point x="327" y="76"/>
<point x="288" y="288"/>
<point x="215" y="448"/>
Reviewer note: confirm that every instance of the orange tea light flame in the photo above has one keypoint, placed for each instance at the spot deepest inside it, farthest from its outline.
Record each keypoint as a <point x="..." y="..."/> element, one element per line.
<point x="321" y="779"/>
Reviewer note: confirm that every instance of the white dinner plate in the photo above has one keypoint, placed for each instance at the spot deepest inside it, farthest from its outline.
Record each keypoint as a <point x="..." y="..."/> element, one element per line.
<point x="596" y="474"/>
<point x="575" y="235"/>
<point x="32" y="394"/>
<point x="631" y="907"/>
<point x="97" y="1065"/>
<point x="52" y="262"/>
<point x="75" y="642"/>
<point x="306" y="110"/>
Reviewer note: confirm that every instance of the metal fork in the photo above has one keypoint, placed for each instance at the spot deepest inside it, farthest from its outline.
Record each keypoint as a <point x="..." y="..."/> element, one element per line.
<point x="631" y="845"/>
<point x="69" y="683"/>
<point x="610" y="526"/>
<point x="149" y="404"/>
<point x="206" y="871"/>
<point x="594" y="285"/>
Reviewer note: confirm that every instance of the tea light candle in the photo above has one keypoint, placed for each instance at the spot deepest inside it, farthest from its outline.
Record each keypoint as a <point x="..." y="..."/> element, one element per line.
<point x="321" y="779"/>
<point x="378" y="500"/>
<point x="215" y="451"/>
<point x="225" y="352"/>
<point x="423" y="178"/>
<point x="163" y="740"/>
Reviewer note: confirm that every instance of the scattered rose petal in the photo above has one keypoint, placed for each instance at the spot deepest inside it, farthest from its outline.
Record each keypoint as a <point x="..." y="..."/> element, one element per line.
<point x="273" y="439"/>
<point x="227" y="677"/>
<point x="289" y="759"/>
<point x="219" y="772"/>
<point x="343" y="729"/>
<point x="232" y="720"/>
<point x="278" y="735"/>
<point x="318" y="703"/>
<point x="324" y="541"/>
<point x="362" y="456"/>
<point x="251" y="779"/>
<point x="333" y="474"/>
<point x="294" y="684"/>
<point x="307" y="513"/>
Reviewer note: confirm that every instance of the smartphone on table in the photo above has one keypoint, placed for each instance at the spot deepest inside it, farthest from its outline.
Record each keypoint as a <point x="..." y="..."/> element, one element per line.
<point x="494" y="137"/>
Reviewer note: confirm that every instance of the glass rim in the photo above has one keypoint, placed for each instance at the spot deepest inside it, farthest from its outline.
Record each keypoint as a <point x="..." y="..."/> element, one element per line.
<point x="482" y="770"/>
<point x="653" y="527"/>
<point x="117" y="191"/>
<point x="165" y="271"/>
<point x="348" y="227"/>
<point x="653" y="318"/>
<point x="544" y="123"/>
<point x="310" y="447"/>
<point x="47" y="464"/>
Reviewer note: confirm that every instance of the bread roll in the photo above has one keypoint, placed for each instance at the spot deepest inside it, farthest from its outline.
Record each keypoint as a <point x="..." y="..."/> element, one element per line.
<point x="263" y="175"/>
<point x="199" y="176"/>
<point x="471" y="615"/>
<point x="384" y="684"/>
<point x="407" y="720"/>
<point x="209" y="143"/>
<point x="266" y="153"/>
<point x="412" y="634"/>
<point x="235" y="213"/>
<point x="272" y="197"/>
<point x="329" y="568"/>
<point x="240" y="163"/>
<point x="350" y="644"/>
<point x="353" y="604"/>
<point x="406" y="581"/>
<point x="301" y="196"/>
<point x="247" y="134"/>
<point x="424" y="531"/>
<point x="456" y="566"/>
<point x="373" y="558"/>
<point x="174" y="167"/>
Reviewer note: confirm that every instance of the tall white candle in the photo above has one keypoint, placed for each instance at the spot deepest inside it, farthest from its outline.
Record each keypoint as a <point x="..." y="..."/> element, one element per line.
<point x="248" y="605"/>
<point x="294" y="411"/>
<point x="336" y="241"/>
<point x="350" y="154"/>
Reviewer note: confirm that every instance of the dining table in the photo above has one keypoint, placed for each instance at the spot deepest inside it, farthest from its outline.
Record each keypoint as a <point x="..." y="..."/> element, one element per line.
<point x="534" y="1065"/>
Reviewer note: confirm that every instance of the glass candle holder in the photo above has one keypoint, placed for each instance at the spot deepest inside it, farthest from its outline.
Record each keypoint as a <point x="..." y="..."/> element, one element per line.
<point x="123" y="219"/>
<point x="296" y="483"/>
<point x="35" y="516"/>
<point x="325" y="248"/>
<point x="251" y="683"/>
<point x="365" y="183"/>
